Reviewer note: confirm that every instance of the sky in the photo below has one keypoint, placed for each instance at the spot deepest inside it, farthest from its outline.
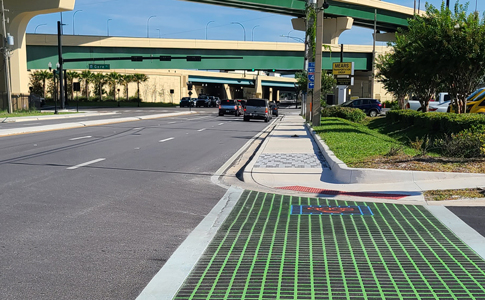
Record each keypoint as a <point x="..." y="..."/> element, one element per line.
<point x="178" y="19"/>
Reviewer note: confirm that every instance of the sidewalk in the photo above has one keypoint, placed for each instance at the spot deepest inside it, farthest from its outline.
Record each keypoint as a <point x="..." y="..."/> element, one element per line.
<point x="292" y="158"/>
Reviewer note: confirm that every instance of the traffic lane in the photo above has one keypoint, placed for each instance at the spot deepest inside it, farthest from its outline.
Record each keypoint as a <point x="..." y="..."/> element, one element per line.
<point x="118" y="114"/>
<point x="472" y="216"/>
<point x="116" y="214"/>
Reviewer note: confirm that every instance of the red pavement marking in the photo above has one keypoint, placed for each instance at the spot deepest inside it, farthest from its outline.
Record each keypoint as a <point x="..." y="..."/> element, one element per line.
<point x="334" y="192"/>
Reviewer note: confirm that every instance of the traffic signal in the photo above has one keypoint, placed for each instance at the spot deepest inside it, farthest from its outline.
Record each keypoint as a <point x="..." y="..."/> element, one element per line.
<point x="189" y="86"/>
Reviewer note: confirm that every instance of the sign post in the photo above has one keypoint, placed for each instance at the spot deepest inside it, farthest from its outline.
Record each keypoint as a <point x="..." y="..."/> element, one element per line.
<point x="343" y="71"/>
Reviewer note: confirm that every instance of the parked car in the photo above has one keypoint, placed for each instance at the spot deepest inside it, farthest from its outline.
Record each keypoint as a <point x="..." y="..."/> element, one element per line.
<point x="441" y="103"/>
<point x="257" y="109"/>
<point x="230" y="107"/>
<point x="274" y="108"/>
<point x="475" y="102"/>
<point x="372" y="107"/>
<point x="203" y="101"/>
<point x="185" y="102"/>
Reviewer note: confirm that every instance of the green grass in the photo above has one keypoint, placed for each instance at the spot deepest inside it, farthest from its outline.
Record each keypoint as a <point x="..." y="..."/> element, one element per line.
<point x="353" y="142"/>
<point x="28" y="113"/>
<point x="439" y="195"/>
<point x="115" y="104"/>
<point x="396" y="131"/>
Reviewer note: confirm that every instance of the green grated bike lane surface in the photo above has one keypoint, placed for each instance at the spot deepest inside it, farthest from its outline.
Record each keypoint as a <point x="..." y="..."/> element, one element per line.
<point x="266" y="250"/>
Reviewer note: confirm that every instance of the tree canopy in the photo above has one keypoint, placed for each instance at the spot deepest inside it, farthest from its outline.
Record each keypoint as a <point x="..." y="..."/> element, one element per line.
<point x="442" y="51"/>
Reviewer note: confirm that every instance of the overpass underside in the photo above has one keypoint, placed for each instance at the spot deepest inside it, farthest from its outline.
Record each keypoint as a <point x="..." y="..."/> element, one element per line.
<point x="389" y="16"/>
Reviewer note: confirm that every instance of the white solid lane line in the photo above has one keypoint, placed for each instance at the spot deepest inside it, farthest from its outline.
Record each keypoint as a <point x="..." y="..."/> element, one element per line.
<point x="172" y="122"/>
<point x="202" y="129"/>
<point x="161" y="141"/>
<point x="80" y="138"/>
<point x="86" y="163"/>
<point x="220" y="124"/>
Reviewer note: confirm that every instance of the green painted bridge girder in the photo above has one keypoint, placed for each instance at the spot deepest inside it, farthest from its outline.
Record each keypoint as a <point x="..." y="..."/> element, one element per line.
<point x="363" y="15"/>
<point x="38" y="57"/>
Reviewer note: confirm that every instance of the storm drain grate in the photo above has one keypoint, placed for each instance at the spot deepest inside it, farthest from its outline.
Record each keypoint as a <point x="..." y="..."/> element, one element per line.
<point x="401" y="252"/>
<point x="331" y="210"/>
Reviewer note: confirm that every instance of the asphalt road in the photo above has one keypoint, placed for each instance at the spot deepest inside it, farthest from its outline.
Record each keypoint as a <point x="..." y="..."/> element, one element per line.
<point x="473" y="216"/>
<point x="103" y="230"/>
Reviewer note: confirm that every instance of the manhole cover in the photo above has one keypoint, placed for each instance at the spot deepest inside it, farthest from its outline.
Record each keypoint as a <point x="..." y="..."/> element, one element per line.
<point x="330" y="210"/>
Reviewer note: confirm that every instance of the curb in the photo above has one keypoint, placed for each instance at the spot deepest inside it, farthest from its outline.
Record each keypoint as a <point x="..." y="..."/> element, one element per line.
<point x="35" y="129"/>
<point x="344" y="174"/>
<point x="53" y="117"/>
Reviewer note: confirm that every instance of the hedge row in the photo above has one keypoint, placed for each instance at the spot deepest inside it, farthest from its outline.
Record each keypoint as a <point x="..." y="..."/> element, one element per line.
<point x="351" y="114"/>
<point x="436" y="122"/>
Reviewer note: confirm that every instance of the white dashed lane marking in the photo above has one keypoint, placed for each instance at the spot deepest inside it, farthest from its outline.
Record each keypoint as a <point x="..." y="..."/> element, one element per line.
<point x="86" y="163"/>
<point x="80" y="138"/>
<point x="165" y="140"/>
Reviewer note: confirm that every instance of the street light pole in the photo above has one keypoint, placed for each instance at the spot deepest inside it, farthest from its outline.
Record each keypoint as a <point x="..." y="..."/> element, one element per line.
<point x="148" y="25"/>
<point x="252" y="33"/>
<point x="73" y="32"/>
<point x="206" y="25"/>
<point x="107" y="25"/>
<point x="317" y="91"/>
<point x="158" y="29"/>
<point x="242" y="28"/>
<point x="288" y="36"/>
<point x="35" y="30"/>
<point x="6" y="63"/>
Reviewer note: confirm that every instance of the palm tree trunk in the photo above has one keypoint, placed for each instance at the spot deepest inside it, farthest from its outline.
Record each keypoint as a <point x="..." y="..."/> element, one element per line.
<point x="138" y="90"/>
<point x="87" y="93"/>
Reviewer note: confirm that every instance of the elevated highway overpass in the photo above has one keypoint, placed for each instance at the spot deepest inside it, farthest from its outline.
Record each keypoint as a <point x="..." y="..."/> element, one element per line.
<point x="270" y="57"/>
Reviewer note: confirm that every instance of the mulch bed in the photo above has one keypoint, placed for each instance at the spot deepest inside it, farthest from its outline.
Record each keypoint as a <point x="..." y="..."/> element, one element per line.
<point x="424" y="163"/>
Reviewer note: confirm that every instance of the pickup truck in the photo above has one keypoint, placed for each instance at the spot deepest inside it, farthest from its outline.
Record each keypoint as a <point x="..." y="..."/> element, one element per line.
<point x="438" y="106"/>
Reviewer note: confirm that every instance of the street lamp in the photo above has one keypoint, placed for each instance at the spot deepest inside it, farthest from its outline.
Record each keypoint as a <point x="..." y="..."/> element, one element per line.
<point x="242" y="28"/>
<point x="73" y="32"/>
<point x="148" y="24"/>
<point x="107" y="25"/>
<point x="252" y="32"/>
<point x="35" y="30"/>
<point x="206" y="28"/>
<point x="288" y="35"/>
<point x="158" y="29"/>
<point x="55" y="86"/>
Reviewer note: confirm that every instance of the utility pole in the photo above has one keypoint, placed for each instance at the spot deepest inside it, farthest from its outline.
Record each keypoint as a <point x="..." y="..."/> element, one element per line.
<point x="6" y="60"/>
<point x="374" y="55"/>
<point x="61" y="62"/>
<point x="309" y="24"/>
<point x="317" y="92"/>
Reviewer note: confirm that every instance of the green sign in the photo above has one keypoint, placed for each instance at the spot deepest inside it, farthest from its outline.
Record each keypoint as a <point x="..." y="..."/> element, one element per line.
<point x="99" y="67"/>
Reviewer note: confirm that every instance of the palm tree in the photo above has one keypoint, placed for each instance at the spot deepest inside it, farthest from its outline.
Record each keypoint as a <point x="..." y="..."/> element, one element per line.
<point x="100" y="80"/>
<point x="87" y="76"/>
<point x="71" y="75"/>
<point x="112" y="79"/>
<point x="137" y="77"/>
<point x="43" y="76"/>
<point x="127" y="79"/>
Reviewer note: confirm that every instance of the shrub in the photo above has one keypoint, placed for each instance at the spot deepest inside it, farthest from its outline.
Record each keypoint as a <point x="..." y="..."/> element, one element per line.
<point x="467" y="143"/>
<point x="351" y="114"/>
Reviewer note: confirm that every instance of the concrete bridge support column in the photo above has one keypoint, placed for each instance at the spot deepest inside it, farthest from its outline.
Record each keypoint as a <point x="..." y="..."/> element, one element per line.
<point x="258" y="87"/>
<point x="20" y="12"/>
<point x="270" y="96"/>
<point x="227" y="89"/>
<point x="332" y="28"/>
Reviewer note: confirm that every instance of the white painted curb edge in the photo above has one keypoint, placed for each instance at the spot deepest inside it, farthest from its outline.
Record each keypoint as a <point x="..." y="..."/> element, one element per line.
<point x="462" y="230"/>
<point x="167" y="282"/>
<point x="344" y="174"/>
